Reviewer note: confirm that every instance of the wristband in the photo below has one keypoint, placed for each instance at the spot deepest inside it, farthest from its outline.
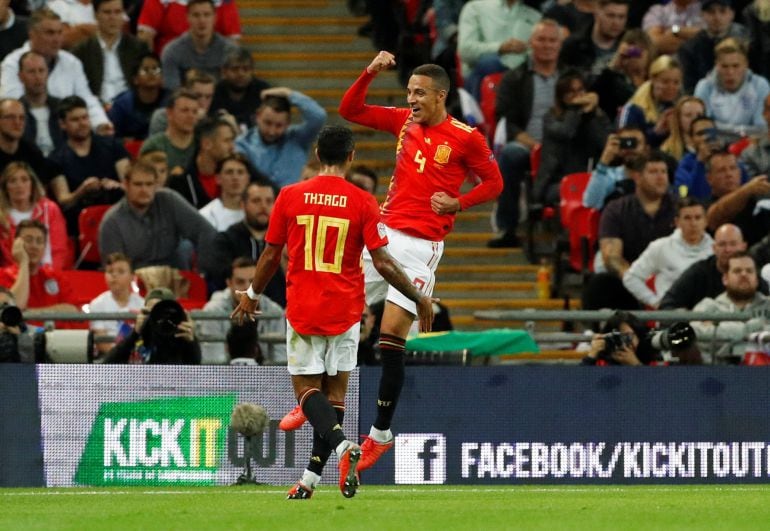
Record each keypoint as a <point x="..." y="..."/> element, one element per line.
<point x="250" y="293"/>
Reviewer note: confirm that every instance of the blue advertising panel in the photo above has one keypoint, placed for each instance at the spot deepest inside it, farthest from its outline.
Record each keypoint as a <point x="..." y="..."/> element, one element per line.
<point x="21" y="458"/>
<point x="529" y="425"/>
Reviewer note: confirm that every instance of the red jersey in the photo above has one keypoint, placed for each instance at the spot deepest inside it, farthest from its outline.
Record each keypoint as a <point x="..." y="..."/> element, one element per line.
<point x="428" y="160"/>
<point x="168" y="19"/>
<point x="46" y="287"/>
<point x="325" y="222"/>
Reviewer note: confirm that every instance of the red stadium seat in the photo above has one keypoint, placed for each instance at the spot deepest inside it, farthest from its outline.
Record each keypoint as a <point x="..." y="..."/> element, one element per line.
<point x="737" y="147"/>
<point x="488" y="97"/>
<point x="571" y="193"/>
<point x="133" y="147"/>
<point x="86" y="285"/>
<point x="197" y="290"/>
<point x="88" y="229"/>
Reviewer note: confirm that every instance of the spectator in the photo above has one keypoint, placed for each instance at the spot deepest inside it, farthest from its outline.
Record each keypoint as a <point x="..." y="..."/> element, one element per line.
<point x="65" y="78"/>
<point x="362" y="176"/>
<point x="756" y="157"/>
<point x="197" y="83"/>
<point x="157" y="159"/>
<point x="679" y="141"/>
<point x="275" y="146"/>
<point x="746" y="205"/>
<point x="201" y="47"/>
<point x="13" y="29"/>
<point x="14" y="147"/>
<point x="233" y="176"/>
<point x="626" y="71"/>
<point x="740" y="293"/>
<point x="666" y="258"/>
<point x="632" y="351"/>
<point x="246" y="238"/>
<point x="492" y="37"/>
<point x="110" y="57"/>
<point x="697" y="54"/>
<point x="242" y="340"/>
<point x="148" y="224"/>
<point x="162" y="21"/>
<point x="78" y="19"/>
<point x="120" y="297"/>
<point x="34" y="285"/>
<point x="575" y="16"/>
<point x="574" y="132"/>
<point x="199" y="183"/>
<point x="592" y="50"/>
<point x="151" y="342"/>
<point x="178" y="140"/>
<point x="238" y="91"/>
<point x="22" y="196"/>
<point x="691" y="171"/>
<point x="93" y="165"/>
<point x="704" y="278"/>
<point x="41" y="124"/>
<point x="524" y="96"/>
<point x="616" y="166"/>
<point x="626" y="228"/>
<point x="132" y="109"/>
<point x="756" y="16"/>
<point x="652" y="105"/>
<point x="671" y="24"/>
<point x="733" y="94"/>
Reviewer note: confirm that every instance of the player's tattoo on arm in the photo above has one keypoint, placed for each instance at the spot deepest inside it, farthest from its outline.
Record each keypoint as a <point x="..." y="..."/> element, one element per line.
<point x="394" y="274"/>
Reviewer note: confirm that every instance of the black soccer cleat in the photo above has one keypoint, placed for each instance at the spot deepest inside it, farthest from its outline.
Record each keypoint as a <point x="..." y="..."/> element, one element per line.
<point x="299" y="492"/>
<point x="348" y="474"/>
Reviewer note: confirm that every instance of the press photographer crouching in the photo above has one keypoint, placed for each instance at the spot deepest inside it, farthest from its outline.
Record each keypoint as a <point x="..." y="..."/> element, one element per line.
<point x="19" y="343"/>
<point x="623" y="341"/>
<point x="163" y="334"/>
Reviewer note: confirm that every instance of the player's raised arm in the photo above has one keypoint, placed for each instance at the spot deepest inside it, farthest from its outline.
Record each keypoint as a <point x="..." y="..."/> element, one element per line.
<point x="353" y="105"/>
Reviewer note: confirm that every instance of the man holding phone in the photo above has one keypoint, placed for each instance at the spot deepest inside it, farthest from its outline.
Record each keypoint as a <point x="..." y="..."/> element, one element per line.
<point x="613" y="167"/>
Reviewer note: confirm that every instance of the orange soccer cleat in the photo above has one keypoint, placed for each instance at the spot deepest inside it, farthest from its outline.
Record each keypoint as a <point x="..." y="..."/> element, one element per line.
<point x="299" y="492"/>
<point x="293" y="420"/>
<point x="371" y="451"/>
<point x="348" y="472"/>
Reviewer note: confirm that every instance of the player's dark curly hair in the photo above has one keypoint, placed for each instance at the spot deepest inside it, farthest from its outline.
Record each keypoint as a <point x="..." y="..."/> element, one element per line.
<point x="335" y="144"/>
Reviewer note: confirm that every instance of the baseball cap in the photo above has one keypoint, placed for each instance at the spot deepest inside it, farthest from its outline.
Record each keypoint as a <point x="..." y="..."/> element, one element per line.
<point x="705" y="4"/>
<point x="163" y="294"/>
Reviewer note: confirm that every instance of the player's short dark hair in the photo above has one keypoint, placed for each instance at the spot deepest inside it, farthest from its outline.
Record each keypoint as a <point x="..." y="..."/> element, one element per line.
<point x="113" y="258"/>
<point x="436" y="73"/>
<point x="32" y="224"/>
<point x="30" y="53"/>
<point x="237" y="56"/>
<point x="688" y="202"/>
<point x="69" y="104"/>
<point x="335" y="144"/>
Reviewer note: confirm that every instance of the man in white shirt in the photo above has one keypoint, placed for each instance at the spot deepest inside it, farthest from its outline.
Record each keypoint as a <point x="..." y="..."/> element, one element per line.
<point x="41" y="126"/>
<point x="232" y="178"/>
<point x="110" y="58"/>
<point x="119" y="298"/>
<point x="65" y="76"/>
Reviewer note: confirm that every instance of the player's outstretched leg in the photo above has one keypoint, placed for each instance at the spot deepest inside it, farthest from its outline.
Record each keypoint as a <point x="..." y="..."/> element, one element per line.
<point x="349" y="456"/>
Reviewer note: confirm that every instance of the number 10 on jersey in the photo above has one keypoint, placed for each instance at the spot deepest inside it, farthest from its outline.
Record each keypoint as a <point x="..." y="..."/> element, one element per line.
<point x="315" y="248"/>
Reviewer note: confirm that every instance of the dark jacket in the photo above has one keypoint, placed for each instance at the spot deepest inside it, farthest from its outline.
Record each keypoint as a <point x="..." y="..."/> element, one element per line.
<point x="614" y="89"/>
<point x="30" y="124"/>
<point x="235" y="242"/>
<point x="759" y="48"/>
<point x="244" y="109"/>
<point x="514" y="99"/>
<point x="189" y="186"/>
<point x="176" y="352"/>
<point x="13" y="37"/>
<point x="130" y="51"/>
<point x="578" y="50"/>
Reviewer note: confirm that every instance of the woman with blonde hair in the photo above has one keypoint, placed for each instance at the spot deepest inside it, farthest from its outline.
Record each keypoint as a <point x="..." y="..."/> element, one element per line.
<point x="653" y="102"/>
<point x="679" y="140"/>
<point x="22" y="196"/>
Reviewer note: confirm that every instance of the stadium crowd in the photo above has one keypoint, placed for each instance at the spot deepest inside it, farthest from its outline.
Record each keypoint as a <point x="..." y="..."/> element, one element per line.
<point x="163" y="137"/>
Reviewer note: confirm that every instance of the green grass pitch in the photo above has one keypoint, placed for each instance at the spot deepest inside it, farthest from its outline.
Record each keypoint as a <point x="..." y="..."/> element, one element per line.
<point x="397" y="508"/>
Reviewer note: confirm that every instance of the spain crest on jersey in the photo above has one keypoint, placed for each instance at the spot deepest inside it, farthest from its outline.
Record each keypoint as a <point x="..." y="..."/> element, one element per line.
<point x="442" y="154"/>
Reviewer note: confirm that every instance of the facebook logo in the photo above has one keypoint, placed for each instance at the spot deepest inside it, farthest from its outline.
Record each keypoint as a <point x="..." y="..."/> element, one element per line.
<point x="420" y="458"/>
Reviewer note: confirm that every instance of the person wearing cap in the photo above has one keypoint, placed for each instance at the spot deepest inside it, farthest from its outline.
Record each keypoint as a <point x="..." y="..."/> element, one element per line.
<point x="163" y="334"/>
<point x="697" y="54"/>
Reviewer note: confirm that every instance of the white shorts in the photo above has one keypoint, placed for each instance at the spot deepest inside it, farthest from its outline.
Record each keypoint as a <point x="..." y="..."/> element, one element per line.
<point x="309" y="355"/>
<point x="419" y="258"/>
<point x="375" y="286"/>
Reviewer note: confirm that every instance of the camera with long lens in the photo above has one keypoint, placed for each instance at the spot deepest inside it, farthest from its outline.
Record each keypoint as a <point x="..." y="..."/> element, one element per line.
<point x="26" y="345"/>
<point x="164" y="319"/>
<point x="10" y="315"/>
<point x="680" y="340"/>
<point x="614" y="341"/>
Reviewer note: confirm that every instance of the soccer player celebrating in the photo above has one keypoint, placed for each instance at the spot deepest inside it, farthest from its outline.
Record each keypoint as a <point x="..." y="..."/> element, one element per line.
<point x="326" y="222"/>
<point x="434" y="155"/>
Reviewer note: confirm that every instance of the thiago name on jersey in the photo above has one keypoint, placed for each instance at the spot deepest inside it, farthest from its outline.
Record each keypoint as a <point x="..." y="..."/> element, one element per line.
<point x="326" y="199"/>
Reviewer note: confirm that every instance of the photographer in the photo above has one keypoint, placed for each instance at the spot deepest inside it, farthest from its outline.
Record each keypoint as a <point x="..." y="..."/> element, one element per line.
<point x="18" y="342"/>
<point x="163" y="334"/>
<point x="622" y="341"/>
